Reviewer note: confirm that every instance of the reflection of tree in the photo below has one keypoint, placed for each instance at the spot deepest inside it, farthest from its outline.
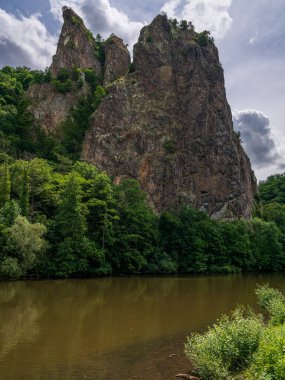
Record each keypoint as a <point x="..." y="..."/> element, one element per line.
<point x="18" y="318"/>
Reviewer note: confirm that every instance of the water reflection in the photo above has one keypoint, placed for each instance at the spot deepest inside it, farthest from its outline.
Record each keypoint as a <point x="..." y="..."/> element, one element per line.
<point x="89" y="328"/>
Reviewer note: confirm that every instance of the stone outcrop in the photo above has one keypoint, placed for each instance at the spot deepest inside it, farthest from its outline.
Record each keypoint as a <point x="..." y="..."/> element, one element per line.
<point x="117" y="59"/>
<point x="51" y="108"/>
<point x="76" y="48"/>
<point x="168" y="125"/>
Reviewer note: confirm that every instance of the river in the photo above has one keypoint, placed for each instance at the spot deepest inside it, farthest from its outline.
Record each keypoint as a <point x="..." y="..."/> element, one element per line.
<point x="112" y="328"/>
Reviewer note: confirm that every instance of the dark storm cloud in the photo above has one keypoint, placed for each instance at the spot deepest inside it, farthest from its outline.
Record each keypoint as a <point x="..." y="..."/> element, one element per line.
<point x="257" y="137"/>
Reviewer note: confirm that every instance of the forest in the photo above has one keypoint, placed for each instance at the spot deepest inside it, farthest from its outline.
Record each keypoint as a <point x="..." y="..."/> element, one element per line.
<point x="61" y="217"/>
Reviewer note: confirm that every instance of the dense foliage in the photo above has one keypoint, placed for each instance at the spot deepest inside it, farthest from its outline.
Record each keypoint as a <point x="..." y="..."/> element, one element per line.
<point x="73" y="221"/>
<point x="242" y="342"/>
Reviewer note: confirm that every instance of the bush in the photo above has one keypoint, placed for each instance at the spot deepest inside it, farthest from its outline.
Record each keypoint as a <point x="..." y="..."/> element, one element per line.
<point x="91" y="78"/>
<point x="204" y="38"/>
<point x="269" y="360"/>
<point x="169" y="146"/>
<point x="63" y="75"/>
<point x="149" y="39"/>
<point x="227" y="347"/>
<point x="132" y="68"/>
<point x="10" y="268"/>
<point x="265" y="295"/>
<point x="273" y="301"/>
<point x="62" y="87"/>
<point x="277" y="312"/>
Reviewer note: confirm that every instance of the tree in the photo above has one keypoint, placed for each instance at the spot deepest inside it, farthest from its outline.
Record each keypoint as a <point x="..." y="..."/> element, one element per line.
<point x="5" y="184"/>
<point x="183" y="25"/>
<point x="25" y="191"/>
<point x="135" y="232"/>
<point x="25" y="241"/>
<point x="273" y="189"/>
<point x="70" y="230"/>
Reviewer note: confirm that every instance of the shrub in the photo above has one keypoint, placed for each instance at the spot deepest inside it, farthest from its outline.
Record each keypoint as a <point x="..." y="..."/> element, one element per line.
<point x="63" y="75"/>
<point x="99" y="94"/>
<point x="132" y="67"/>
<point x="10" y="268"/>
<point x="265" y="295"/>
<point x="277" y="312"/>
<point x="269" y="360"/>
<point x="204" y="38"/>
<point x="169" y="146"/>
<point x="226" y="347"/>
<point x="91" y="78"/>
<point x="62" y="87"/>
<point x="273" y="301"/>
<point x="183" y="25"/>
<point x="75" y="75"/>
<point x="149" y="39"/>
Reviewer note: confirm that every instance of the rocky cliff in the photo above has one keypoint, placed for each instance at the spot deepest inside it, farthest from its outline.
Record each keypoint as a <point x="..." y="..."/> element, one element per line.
<point x="167" y="122"/>
<point x="77" y="51"/>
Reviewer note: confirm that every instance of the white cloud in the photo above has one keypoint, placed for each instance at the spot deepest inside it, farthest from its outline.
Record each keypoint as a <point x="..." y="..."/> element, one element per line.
<point x="25" y="38"/>
<point x="56" y="7"/>
<point x="101" y="17"/>
<point x="212" y="15"/>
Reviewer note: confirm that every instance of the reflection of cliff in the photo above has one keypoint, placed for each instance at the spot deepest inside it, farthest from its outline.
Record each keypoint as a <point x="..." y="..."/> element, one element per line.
<point x="67" y="329"/>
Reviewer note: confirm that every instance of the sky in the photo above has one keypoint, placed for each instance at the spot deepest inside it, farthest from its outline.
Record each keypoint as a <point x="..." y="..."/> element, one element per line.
<point x="250" y="35"/>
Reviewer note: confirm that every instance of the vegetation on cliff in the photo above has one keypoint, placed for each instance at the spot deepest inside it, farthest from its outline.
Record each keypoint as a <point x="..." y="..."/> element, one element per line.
<point x="243" y="342"/>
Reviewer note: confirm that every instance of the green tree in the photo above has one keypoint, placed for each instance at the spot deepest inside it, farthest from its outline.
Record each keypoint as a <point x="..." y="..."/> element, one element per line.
<point x="25" y="241"/>
<point x="136" y="235"/>
<point x="5" y="184"/>
<point x="25" y="191"/>
<point x="273" y="189"/>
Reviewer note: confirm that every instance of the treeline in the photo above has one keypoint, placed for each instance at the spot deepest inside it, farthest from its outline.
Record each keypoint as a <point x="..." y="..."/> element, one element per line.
<point x="61" y="221"/>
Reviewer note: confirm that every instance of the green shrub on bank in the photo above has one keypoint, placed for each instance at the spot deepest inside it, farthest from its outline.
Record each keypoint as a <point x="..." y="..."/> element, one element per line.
<point x="273" y="301"/>
<point x="265" y="295"/>
<point x="227" y="347"/>
<point x="269" y="360"/>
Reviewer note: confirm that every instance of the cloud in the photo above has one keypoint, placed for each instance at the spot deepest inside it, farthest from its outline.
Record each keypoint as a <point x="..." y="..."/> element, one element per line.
<point x="101" y="17"/>
<point x="257" y="137"/>
<point x="212" y="15"/>
<point x="25" y="41"/>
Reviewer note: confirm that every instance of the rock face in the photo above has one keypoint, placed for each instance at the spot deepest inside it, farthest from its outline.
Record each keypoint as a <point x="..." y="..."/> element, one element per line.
<point x="49" y="107"/>
<point x="168" y="124"/>
<point x="76" y="48"/>
<point x="117" y="59"/>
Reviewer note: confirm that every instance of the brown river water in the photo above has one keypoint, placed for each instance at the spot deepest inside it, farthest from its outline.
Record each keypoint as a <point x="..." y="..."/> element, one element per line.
<point x="112" y="328"/>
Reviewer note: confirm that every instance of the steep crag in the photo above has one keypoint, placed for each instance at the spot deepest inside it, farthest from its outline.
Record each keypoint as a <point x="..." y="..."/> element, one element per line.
<point x="77" y="49"/>
<point x="166" y="122"/>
